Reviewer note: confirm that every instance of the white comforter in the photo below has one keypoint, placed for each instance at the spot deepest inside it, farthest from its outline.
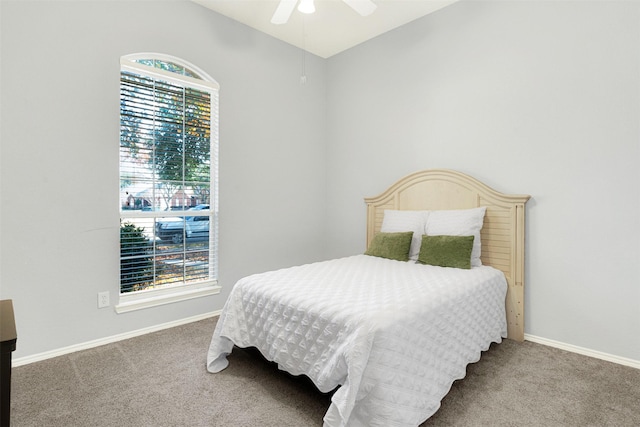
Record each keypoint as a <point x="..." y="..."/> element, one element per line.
<point x="394" y="335"/>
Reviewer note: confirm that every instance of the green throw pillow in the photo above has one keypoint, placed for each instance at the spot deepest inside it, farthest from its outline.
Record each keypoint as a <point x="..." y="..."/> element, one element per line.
<point x="391" y="245"/>
<point x="446" y="251"/>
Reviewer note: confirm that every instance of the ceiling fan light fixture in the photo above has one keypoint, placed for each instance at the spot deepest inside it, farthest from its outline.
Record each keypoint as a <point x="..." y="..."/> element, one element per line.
<point x="286" y="7"/>
<point x="306" y="6"/>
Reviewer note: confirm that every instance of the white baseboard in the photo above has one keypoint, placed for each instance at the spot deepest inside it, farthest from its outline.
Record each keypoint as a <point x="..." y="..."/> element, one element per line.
<point x="584" y="351"/>
<point x="108" y="340"/>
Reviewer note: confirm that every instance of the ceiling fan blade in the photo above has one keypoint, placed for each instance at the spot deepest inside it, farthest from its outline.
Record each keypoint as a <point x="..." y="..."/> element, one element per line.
<point x="283" y="12"/>
<point x="363" y="7"/>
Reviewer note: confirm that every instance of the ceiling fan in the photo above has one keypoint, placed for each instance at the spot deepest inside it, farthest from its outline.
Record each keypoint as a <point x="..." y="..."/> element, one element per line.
<point x="285" y="8"/>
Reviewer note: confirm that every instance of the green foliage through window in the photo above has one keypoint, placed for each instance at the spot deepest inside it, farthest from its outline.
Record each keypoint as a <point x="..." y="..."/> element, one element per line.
<point x="136" y="262"/>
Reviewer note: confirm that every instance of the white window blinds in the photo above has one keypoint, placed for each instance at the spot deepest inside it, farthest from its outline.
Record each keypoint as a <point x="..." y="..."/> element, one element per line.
<point x="168" y="176"/>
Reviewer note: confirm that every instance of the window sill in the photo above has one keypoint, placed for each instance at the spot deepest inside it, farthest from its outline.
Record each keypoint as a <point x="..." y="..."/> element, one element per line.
<point x="154" y="298"/>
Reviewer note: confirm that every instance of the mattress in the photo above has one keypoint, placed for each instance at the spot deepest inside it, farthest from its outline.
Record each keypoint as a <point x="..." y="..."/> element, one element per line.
<point x="392" y="335"/>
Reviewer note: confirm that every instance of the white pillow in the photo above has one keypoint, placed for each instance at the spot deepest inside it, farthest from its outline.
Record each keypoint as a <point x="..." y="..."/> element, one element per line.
<point x="396" y="221"/>
<point x="462" y="222"/>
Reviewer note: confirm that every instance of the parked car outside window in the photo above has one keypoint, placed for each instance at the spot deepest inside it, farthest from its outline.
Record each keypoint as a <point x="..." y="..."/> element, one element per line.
<point x="176" y="229"/>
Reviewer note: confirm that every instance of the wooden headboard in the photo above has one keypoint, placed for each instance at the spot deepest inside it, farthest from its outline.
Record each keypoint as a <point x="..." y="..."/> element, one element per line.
<point x="502" y="234"/>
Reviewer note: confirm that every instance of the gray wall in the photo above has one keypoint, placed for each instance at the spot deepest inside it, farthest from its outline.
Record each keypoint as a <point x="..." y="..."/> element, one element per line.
<point x="540" y="98"/>
<point x="59" y="158"/>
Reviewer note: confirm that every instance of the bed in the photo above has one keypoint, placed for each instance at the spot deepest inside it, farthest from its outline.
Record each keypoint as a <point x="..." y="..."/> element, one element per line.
<point x="390" y="333"/>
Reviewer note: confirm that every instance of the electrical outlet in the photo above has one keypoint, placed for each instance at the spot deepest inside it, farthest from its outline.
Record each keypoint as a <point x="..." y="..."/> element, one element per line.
<point x="103" y="299"/>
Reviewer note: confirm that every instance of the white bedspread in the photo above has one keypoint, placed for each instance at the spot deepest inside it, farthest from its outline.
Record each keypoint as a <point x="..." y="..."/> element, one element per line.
<point x="394" y="335"/>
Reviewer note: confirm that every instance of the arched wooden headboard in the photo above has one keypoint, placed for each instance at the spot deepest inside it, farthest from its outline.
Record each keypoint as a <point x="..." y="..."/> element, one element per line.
<point x="502" y="234"/>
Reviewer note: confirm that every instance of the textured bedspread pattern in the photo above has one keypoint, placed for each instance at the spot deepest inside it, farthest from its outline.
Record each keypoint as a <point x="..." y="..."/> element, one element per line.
<point x="393" y="335"/>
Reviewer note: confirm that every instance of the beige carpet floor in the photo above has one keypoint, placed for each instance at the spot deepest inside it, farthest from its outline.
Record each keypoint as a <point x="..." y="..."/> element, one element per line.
<point x="160" y="379"/>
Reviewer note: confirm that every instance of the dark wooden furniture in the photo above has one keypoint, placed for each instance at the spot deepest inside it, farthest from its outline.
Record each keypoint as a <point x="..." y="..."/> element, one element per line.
<point x="8" y="338"/>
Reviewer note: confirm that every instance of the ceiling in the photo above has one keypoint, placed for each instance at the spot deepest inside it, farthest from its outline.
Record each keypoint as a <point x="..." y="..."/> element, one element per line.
<point x="333" y="28"/>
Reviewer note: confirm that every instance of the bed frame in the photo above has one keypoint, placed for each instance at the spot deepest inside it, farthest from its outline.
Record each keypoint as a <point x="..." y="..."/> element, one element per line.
<point x="502" y="233"/>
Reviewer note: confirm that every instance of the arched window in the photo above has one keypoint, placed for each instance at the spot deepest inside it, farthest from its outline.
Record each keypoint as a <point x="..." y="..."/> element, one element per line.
<point x="168" y="181"/>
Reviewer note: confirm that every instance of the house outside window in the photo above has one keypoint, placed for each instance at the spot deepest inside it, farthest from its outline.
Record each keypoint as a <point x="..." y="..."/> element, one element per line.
<point x="168" y="181"/>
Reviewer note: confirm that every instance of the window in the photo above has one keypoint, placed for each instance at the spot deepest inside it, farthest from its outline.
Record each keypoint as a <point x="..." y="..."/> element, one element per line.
<point x="168" y="181"/>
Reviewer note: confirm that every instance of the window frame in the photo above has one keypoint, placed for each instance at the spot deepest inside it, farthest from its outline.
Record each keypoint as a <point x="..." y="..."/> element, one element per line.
<point x="136" y="300"/>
